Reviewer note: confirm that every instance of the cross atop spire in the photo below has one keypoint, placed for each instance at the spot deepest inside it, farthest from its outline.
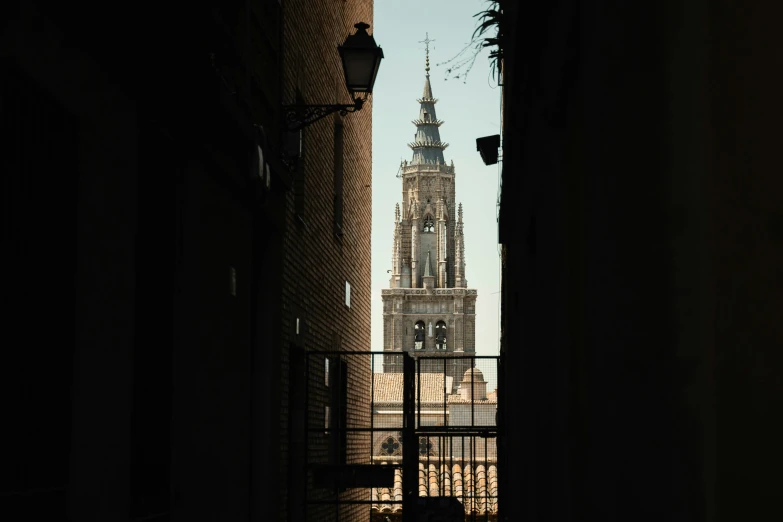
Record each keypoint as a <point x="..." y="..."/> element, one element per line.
<point x="426" y="43"/>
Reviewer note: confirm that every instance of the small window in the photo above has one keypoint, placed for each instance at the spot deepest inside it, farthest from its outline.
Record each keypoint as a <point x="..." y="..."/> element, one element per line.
<point x="425" y="447"/>
<point x="391" y="446"/>
<point x="418" y="336"/>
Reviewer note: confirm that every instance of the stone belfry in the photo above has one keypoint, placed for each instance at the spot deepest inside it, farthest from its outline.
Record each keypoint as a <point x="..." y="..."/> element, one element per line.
<point x="428" y="309"/>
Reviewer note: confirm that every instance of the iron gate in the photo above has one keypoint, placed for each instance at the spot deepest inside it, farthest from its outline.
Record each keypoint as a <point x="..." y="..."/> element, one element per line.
<point x="381" y="424"/>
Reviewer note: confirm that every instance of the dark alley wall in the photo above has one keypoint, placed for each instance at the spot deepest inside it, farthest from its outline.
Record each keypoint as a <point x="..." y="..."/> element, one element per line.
<point x="152" y="276"/>
<point x="640" y="220"/>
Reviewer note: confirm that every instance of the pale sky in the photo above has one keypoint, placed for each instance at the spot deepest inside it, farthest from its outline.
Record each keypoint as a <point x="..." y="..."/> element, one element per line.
<point x="470" y="110"/>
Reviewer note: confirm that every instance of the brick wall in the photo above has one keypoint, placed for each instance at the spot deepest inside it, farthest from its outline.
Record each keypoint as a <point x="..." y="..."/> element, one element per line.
<point x="317" y="263"/>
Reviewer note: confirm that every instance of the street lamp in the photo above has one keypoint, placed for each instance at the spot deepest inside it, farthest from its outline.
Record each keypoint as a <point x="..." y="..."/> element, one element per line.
<point x="361" y="59"/>
<point x="488" y="148"/>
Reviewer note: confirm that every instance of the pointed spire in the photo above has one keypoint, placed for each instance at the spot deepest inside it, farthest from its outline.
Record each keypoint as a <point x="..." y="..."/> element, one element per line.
<point x="427" y="146"/>
<point x="427" y="94"/>
<point x="427" y="266"/>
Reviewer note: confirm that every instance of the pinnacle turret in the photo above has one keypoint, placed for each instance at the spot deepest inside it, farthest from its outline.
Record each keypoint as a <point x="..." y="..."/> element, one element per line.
<point x="459" y="252"/>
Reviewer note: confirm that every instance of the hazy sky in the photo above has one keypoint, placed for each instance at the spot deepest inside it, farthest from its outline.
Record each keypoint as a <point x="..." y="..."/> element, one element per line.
<point x="470" y="110"/>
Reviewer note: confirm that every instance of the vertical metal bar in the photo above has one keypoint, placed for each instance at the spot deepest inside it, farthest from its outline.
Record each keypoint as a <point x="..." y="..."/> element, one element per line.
<point x="307" y="430"/>
<point x="486" y="482"/>
<point x="410" y="464"/>
<point x="464" y="480"/>
<point x="498" y="422"/>
<point x="472" y="394"/>
<point x="372" y="424"/>
<point x="473" y="460"/>
<point x="372" y="401"/>
<point x="427" y="452"/>
<point x="451" y="463"/>
<point x="445" y="393"/>
<point x="418" y="393"/>
<point x="442" y="439"/>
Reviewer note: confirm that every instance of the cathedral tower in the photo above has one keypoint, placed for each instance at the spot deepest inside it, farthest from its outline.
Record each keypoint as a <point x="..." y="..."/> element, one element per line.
<point x="428" y="309"/>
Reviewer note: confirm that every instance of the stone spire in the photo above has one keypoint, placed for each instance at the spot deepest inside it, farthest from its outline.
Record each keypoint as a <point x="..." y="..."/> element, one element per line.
<point x="428" y="280"/>
<point x="427" y="146"/>
<point x="459" y="253"/>
<point x="396" y="251"/>
<point x="428" y="266"/>
<point x="442" y="254"/>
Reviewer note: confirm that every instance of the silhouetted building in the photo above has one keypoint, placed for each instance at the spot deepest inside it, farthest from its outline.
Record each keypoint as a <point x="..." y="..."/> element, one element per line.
<point x="172" y="250"/>
<point x="641" y="228"/>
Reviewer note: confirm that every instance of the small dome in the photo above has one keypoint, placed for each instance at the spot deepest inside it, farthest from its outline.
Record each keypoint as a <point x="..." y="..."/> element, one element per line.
<point x="477" y="376"/>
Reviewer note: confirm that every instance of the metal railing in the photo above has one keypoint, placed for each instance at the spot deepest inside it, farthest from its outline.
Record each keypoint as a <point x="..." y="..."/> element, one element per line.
<point x="430" y="428"/>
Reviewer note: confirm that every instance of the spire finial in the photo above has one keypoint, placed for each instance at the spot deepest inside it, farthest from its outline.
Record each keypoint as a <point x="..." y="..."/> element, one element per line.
<point x="426" y="43"/>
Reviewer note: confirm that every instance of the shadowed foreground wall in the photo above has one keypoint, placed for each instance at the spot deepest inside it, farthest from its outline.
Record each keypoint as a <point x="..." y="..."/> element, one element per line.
<point x="154" y="276"/>
<point x="641" y="224"/>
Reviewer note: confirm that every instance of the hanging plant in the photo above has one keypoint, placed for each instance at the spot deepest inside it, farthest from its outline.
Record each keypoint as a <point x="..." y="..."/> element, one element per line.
<point x="483" y="37"/>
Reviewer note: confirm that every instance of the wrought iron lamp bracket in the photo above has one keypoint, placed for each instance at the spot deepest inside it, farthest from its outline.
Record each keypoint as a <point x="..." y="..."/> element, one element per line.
<point x="300" y="116"/>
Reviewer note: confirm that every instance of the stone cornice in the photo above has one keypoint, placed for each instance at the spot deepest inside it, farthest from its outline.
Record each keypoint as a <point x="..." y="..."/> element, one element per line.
<point x="434" y="291"/>
<point x="426" y="168"/>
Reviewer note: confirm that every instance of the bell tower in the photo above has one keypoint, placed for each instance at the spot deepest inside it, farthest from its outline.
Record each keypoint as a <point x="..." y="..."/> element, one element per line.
<point x="428" y="309"/>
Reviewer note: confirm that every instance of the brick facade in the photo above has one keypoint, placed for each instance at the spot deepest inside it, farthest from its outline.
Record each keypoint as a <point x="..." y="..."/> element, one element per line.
<point x="317" y="261"/>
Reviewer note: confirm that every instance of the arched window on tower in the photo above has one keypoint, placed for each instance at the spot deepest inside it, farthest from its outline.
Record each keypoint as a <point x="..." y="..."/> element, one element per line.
<point x="440" y="335"/>
<point x="429" y="224"/>
<point x="418" y="336"/>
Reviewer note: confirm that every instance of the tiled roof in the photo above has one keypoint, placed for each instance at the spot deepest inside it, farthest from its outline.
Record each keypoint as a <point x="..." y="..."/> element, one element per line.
<point x="387" y="388"/>
<point x="476" y="487"/>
